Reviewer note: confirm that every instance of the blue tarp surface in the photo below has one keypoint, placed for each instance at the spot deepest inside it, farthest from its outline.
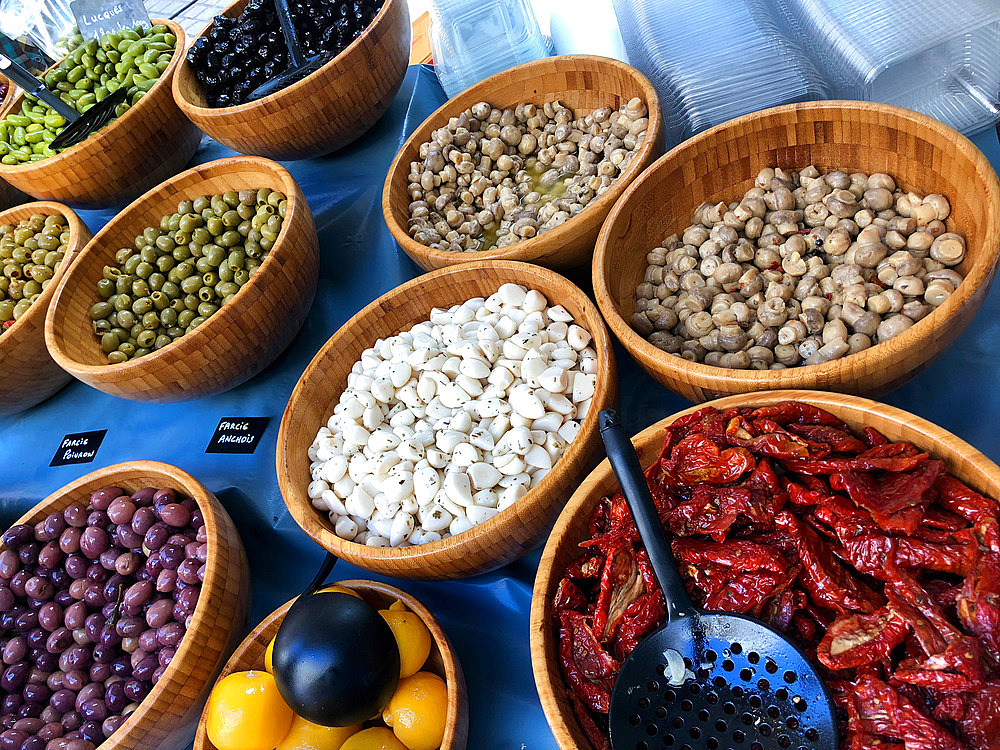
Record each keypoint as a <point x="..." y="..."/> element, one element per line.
<point x="485" y="616"/>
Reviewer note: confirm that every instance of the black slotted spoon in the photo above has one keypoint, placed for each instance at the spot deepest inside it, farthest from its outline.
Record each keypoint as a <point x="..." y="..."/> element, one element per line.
<point x="300" y="66"/>
<point x="78" y="126"/>
<point x="706" y="681"/>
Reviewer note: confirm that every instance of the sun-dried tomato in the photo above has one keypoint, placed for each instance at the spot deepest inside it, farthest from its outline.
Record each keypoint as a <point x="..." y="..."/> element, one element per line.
<point x="823" y="466"/>
<point x="569" y="596"/>
<point x="979" y="725"/>
<point x="598" y="737"/>
<point x="713" y="510"/>
<point x="855" y="640"/>
<point x="838" y="441"/>
<point x="788" y="412"/>
<point x="979" y="604"/>
<point x="697" y="459"/>
<point x="781" y="444"/>
<point x="620" y="586"/>
<point x="737" y="554"/>
<point x="587" y="667"/>
<point x="881" y="556"/>
<point x="873" y="437"/>
<point x="958" y="669"/>
<point x="882" y="710"/>
<point x="744" y="593"/>
<point x="897" y="502"/>
<point x="826" y="580"/>
<point x="644" y="614"/>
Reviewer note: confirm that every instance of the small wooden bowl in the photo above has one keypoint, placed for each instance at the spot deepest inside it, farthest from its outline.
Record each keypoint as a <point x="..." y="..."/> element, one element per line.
<point x="167" y="717"/>
<point x="581" y="82"/>
<point x="921" y="153"/>
<point x="149" y="143"/>
<point x="28" y="375"/>
<point x="962" y="460"/>
<point x="510" y="533"/>
<point x="235" y="343"/>
<point x="443" y="661"/>
<point x="323" y="112"/>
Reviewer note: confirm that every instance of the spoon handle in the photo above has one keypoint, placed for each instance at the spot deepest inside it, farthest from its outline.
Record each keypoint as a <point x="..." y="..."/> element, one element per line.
<point x="295" y="53"/>
<point x="625" y="465"/>
<point x="23" y="78"/>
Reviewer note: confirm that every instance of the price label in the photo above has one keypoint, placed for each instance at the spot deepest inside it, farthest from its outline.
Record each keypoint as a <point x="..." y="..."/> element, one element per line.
<point x="78" y="448"/>
<point x="237" y="435"/>
<point x="99" y="17"/>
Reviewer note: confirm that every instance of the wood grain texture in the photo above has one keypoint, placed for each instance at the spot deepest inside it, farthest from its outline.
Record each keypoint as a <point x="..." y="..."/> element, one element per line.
<point x="921" y="153"/>
<point x="166" y="719"/>
<point x="152" y="141"/>
<point x="235" y="343"/>
<point x="28" y="374"/>
<point x="319" y="114"/>
<point x="510" y="533"/>
<point x="581" y="82"/>
<point x="443" y="660"/>
<point x="961" y="459"/>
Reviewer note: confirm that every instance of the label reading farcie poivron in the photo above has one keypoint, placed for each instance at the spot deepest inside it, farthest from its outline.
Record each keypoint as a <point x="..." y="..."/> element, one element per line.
<point x="98" y="17"/>
<point x="237" y="435"/>
<point x="78" y="448"/>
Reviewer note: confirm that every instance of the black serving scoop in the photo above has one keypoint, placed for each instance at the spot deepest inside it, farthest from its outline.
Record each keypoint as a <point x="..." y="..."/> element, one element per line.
<point x="78" y="126"/>
<point x="301" y="66"/>
<point x="707" y="681"/>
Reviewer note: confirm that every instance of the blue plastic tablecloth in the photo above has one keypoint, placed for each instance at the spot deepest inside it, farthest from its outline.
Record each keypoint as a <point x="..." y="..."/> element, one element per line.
<point x="486" y="616"/>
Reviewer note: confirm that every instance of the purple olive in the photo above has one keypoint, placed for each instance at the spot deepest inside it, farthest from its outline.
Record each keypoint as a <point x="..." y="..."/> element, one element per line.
<point x="18" y="535"/>
<point x="102" y="498"/>
<point x="76" y="516"/>
<point x="99" y="672"/>
<point x="128" y="539"/>
<point x="144" y="669"/>
<point x="127" y="563"/>
<point x="35" y="692"/>
<point x="46" y="661"/>
<point x="144" y="497"/>
<point x="93" y="542"/>
<point x="61" y="580"/>
<point x="166" y="581"/>
<point x="50" y="555"/>
<point x="76" y="565"/>
<point x="175" y="514"/>
<point x="136" y="689"/>
<point x="15" y="650"/>
<point x="171" y="556"/>
<point x="90" y="735"/>
<point x="55" y="681"/>
<point x="97" y="574"/>
<point x="121" y="510"/>
<point x="29" y="710"/>
<point x="50" y="616"/>
<point x="69" y="540"/>
<point x="94" y="710"/>
<point x="10" y="563"/>
<point x="108" y="557"/>
<point x="71" y="721"/>
<point x="121" y="667"/>
<point x="12" y="739"/>
<point x="103" y="654"/>
<point x="164" y="497"/>
<point x="51" y="730"/>
<point x="54" y="525"/>
<point x="142" y="520"/>
<point x="39" y="588"/>
<point x="111" y="725"/>
<point x="188" y="572"/>
<point x="198" y="522"/>
<point x="94" y="595"/>
<point x="157" y="535"/>
<point x="59" y="640"/>
<point x="159" y="613"/>
<point x="6" y="598"/>
<point x="28" y="554"/>
<point x="98" y="518"/>
<point x="26" y="622"/>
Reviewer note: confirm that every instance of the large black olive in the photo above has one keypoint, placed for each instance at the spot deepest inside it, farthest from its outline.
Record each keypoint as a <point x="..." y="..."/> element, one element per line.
<point x="336" y="661"/>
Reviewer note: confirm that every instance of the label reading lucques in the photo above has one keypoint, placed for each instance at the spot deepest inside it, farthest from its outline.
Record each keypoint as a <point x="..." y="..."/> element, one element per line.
<point x="99" y="17"/>
<point x="78" y="448"/>
<point x="237" y="435"/>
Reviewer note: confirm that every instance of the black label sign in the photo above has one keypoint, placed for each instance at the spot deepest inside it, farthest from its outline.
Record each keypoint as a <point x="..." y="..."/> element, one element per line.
<point x="78" y="448"/>
<point x="98" y="17"/>
<point x="237" y="435"/>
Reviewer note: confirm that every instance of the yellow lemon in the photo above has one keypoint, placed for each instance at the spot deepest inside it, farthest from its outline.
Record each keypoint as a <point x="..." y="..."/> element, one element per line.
<point x="304" y="735"/>
<point x="412" y="637"/>
<point x="246" y="712"/>
<point x="418" y="711"/>
<point x="376" y="738"/>
<point x="339" y="590"/>
<point x="269" y="657"/>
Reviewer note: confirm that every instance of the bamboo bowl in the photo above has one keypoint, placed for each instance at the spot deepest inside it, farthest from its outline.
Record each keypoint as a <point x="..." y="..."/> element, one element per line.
<point x="510" y="533"/>
<point x="321" y="113"/>
<point x="720" y="164"/>
<point x="962" y="460"/>
<point x="167" y="717"/>
<point x="235" y="343"/>
<point x="443" y="661"/>
<point x="28" y="375"/>
<point x="149" y="143"/>
<point x="581" y="82"/>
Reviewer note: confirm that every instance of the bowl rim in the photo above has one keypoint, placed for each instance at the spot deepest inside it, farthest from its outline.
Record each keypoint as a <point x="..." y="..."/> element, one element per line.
<point x="308" y="518"/>
<point x="456" y="724"/>
<point x="540" y="614"/>
<point x="266" y="104"/>
<point x="192" y="488"/>
<point x="721" y="378"/>
<point x="525" y="249"/>
<point x="100" y="142"/>
<point x="270" y="266"/>
<point x="36" y="312"/>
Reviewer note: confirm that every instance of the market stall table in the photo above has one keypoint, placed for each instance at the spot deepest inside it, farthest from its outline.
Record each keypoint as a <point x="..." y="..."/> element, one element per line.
<point x="485" y="616"/>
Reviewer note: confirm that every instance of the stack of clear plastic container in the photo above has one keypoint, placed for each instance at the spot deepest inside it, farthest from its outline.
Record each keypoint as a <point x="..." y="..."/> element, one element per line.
<point x="473" y="39"/>
<point x="712" y="60"/>
<point x="940" y="57"/>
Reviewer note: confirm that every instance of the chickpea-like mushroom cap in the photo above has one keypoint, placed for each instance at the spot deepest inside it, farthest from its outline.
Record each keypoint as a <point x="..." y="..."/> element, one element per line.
<point x="948" y="248"/>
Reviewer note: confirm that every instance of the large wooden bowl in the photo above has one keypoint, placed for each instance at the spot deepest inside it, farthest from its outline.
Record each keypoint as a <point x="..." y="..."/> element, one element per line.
<point x="166" y="719"/>
<point x="962" y="460"/>
<point x="319" y="114"/>
<point x="149" y="143"/>
<point x="510" y="533"/>
<point x="443" y="661"/>
<point x="923" y="155"/>
<point x="581" y="82"/>
<point x="28" y="375"/>
<point x="235" y="343"/>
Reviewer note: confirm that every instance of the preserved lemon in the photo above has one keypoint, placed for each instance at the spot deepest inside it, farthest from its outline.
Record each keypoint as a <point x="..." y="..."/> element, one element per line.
<point x="304" y="735"/>
<point x="246" y="712"/>
<point x="418" y="711"/>
<point x="376" y="738"/>
<point x="412" y="637"/>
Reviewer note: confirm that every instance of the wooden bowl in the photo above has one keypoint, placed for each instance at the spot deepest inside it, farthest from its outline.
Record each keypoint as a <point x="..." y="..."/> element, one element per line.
<point x="443" y="661"/>
<point x="962" y="460"/>
<point x="235" y="343"/>
<point x="323" y="112"/>
<point x="166" y="718"/>
<point x="921" y="153"/>
<point x="149" y="143"/>
<point x="581" y="82"/>
<point x="510" y="533"/>
<point x="28" y="375"/>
